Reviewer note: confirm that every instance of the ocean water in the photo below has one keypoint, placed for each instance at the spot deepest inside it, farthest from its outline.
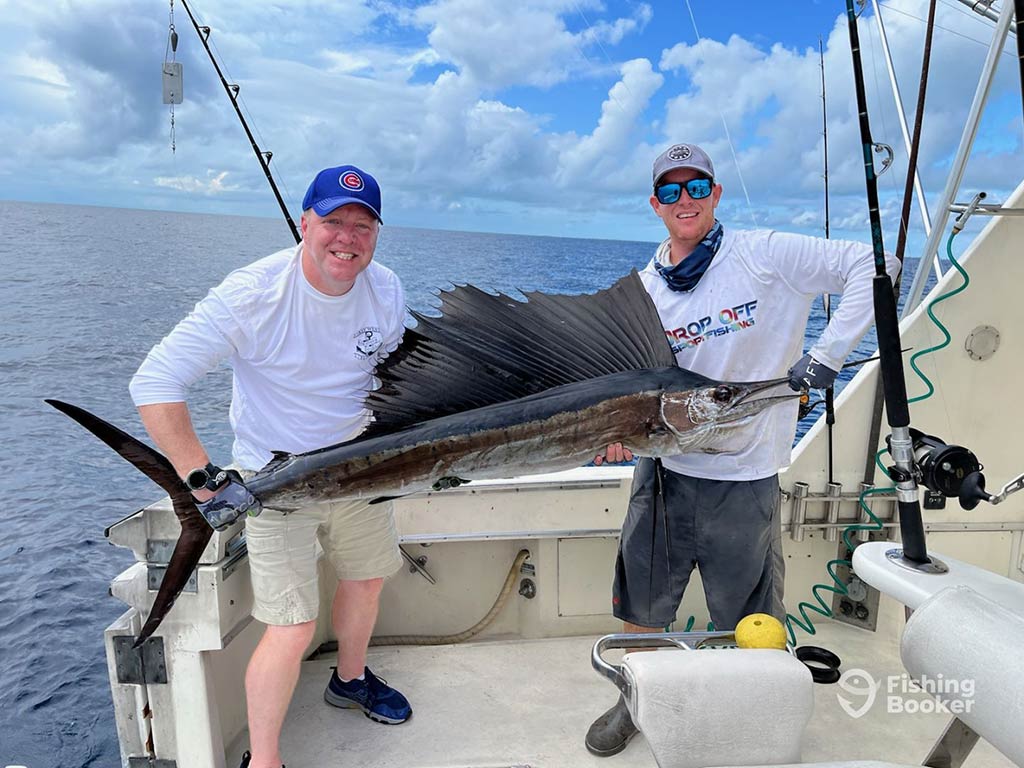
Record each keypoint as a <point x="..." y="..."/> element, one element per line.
<point x="85" y="292"/>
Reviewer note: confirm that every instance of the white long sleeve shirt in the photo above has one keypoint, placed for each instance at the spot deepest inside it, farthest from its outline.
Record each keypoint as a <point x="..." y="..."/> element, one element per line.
<point x="745" y="321"/>
<point x="302" y="361"/>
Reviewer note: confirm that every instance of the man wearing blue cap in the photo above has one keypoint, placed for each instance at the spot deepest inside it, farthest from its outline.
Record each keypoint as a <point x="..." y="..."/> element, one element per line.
<point x="302" y="330"/>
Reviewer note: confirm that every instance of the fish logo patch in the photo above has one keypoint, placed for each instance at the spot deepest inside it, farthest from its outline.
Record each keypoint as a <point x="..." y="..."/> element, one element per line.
<point x="352" y="181"/>
<point x="368" y="341"/>
<point x="679" y="152"/>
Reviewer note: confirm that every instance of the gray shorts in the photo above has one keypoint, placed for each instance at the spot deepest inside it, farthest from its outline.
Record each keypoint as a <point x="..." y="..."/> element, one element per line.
<point x="359" y="539"/>
<point x="729" y="529"/>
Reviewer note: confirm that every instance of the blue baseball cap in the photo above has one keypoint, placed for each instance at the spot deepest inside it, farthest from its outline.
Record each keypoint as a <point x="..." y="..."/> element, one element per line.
<point x="335" y="187"/>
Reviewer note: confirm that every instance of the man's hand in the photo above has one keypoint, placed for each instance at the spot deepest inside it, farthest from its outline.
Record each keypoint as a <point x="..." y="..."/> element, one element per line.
<point x="614" y="454"/>
<point x="808" y="373"/>
<point x="230" y="502"/>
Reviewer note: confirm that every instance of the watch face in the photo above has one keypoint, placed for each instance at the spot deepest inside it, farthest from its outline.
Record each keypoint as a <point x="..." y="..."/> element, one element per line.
<point x="196" y="479"/>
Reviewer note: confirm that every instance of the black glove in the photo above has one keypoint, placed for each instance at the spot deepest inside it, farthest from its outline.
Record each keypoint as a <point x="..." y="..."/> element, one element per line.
<point x="231" y="501"/>
<point x="808" y="373"/>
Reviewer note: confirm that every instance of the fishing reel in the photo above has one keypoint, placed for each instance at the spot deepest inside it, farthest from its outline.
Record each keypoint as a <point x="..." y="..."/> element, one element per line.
<point x="806" y="405"/>
<point x="953" y="471"/>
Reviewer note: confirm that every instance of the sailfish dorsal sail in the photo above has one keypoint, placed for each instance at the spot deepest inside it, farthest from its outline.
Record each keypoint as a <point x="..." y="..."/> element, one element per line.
<point x="490" y="348"/>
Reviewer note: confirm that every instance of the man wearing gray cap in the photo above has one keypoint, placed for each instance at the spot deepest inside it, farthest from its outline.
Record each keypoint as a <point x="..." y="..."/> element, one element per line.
<point x="302" y="330"/>
<point x="734" y="305"/>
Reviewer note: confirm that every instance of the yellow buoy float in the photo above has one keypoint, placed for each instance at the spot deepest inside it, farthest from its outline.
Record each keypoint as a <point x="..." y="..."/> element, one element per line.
<point x="760" y="630"/>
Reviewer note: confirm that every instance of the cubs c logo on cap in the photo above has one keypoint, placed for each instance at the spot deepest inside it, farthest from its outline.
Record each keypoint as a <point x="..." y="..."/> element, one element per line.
<point x="679" y="152"/>
<point x="351" y="180"/>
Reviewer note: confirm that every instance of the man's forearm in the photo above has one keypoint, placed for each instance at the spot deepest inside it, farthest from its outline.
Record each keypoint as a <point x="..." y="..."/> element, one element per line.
<point x="855" y="314"/>
<point x="170" y="426"/>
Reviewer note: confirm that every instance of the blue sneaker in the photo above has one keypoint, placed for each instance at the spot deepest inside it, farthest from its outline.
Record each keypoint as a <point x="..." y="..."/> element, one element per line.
<point x="246" y="759"/>
<point x="378" y="700"/>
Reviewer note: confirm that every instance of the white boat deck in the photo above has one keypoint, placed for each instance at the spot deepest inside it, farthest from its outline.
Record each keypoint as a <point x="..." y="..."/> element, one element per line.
<point x="522" y="703"/>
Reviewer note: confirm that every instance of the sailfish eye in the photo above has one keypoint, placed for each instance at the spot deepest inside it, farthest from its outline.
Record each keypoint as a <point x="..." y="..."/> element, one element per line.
<point x="722" y="394"/>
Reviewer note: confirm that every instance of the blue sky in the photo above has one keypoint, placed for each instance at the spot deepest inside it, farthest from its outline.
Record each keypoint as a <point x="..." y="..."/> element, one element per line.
<point x="533" y="116"/>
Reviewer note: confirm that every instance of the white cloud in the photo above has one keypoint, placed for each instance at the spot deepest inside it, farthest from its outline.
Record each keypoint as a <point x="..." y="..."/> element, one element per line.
<point x="602" y="158"/>
<point x="39" y="71"/>
<point x="342" y="62"/>
<point x="213" y="185"/>
<point x="465" y="106"/>
<point x="522" y="43"/>
<point x="614" y="32"/>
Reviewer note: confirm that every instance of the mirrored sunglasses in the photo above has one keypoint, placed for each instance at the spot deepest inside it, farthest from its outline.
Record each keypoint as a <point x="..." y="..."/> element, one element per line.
<point x="698" y="189"/>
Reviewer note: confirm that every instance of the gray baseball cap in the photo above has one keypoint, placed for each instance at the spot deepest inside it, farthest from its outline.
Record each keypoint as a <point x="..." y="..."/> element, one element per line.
<point x="683" y="156"/>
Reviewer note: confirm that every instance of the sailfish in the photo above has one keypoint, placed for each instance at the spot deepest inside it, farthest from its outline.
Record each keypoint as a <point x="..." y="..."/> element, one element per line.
<point x="494" y="387"/>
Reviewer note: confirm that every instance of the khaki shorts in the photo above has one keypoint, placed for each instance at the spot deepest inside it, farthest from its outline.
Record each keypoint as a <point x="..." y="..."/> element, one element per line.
<point x="360" y="540"/>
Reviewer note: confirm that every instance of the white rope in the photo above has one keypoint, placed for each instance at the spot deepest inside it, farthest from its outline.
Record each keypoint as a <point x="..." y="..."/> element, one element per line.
<point x="725" y="125"/>
<point x="579" y="48"/>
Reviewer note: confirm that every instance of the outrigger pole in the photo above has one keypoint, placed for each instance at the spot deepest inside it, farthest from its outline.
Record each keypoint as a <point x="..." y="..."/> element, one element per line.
<point x="232" y="90"/>
<point x="887" y="326"/>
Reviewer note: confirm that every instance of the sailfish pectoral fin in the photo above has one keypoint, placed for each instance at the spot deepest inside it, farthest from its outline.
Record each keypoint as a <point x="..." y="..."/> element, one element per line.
<point x="443" y="484"/>
<point x="449" y="482"/>
<point x="195" y="532"/>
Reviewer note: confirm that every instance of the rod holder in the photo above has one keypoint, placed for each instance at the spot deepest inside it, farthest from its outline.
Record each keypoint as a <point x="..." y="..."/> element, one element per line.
<point x="799" y="515"/>
<point x="833" y="491"/>
<point x="863" y="517"/>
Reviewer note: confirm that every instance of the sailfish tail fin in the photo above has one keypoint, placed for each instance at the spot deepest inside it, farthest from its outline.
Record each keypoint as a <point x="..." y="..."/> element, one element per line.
<point x="195" y="532"/>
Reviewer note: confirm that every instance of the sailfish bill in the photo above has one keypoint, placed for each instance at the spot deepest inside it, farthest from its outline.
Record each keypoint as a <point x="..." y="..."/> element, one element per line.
<point x="493" y="388"/>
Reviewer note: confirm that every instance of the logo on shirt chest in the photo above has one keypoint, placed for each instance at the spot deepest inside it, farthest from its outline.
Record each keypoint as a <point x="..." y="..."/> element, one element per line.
<point x="728" y="320"/>
<point x="368" y="341"/>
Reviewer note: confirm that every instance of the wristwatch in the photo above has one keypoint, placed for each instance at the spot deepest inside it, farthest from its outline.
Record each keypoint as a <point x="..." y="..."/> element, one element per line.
<point x="211" y="477"/>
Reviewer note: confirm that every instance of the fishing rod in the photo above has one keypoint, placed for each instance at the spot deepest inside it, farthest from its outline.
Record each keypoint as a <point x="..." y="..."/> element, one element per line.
<point x="901" y="443"/>
<point x="826" y="299"/>
<point x="901" y="242"/>
<point x="1018" y="10"/>
<point x="232" y="90"/>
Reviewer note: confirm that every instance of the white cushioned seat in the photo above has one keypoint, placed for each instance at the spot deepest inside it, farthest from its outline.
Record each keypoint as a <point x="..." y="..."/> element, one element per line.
<point x="719" y="707"/>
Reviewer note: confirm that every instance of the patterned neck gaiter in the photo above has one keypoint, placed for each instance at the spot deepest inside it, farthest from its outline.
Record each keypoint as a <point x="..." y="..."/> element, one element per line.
<point x="685" y="275"/>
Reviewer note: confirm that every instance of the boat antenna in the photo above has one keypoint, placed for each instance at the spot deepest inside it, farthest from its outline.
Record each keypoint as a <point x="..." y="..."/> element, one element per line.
<point x="887" y="326"/>
<point x="826" y="299"/>
<point x="232" y="90"/>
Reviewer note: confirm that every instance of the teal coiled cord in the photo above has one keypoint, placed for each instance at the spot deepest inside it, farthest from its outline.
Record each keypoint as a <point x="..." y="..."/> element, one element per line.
<point x="838" y="587"/>
<point x="938" y="324"/>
